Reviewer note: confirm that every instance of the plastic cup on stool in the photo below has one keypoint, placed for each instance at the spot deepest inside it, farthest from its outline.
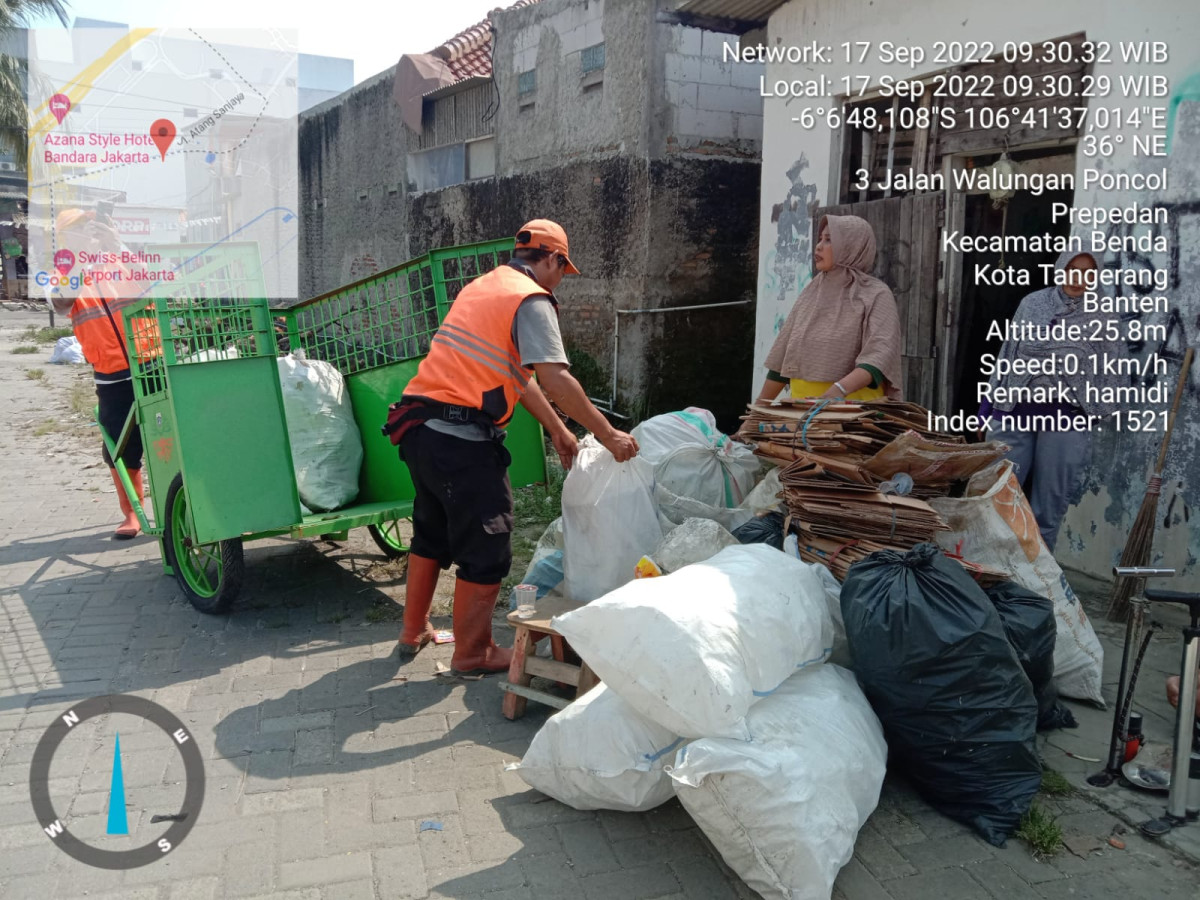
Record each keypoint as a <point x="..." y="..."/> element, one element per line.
<point x="526" y="601"/>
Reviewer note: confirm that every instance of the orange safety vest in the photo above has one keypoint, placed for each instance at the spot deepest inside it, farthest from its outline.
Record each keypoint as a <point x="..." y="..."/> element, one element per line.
<point x="472" y="360"/>
<point x="103" y="346"/>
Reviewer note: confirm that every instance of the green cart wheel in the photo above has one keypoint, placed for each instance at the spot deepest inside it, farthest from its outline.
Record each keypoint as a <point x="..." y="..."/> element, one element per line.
<point x="210" y="574"/>
<point x="387" y="538"/>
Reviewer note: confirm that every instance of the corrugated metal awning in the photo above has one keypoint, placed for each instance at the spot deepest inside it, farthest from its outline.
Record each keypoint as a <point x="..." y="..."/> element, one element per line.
<point x="456" y="87"/>
<point x="730" y="16"/>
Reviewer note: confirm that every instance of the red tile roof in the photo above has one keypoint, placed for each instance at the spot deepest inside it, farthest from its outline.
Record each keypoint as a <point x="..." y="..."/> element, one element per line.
<point x="469" y="53"/>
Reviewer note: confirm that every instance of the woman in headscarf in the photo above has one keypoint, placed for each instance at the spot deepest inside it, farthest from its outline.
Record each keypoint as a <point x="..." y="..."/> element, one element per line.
<point x="842" y="337"/>
<point x="1054" y="460"/>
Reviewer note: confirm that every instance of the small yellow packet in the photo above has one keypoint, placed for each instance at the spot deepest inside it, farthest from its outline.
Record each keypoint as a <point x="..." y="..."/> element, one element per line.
<point x="646" y="568"/>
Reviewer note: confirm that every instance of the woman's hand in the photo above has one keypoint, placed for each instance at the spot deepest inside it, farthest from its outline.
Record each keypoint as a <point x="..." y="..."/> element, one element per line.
<point x="833" y="393"/>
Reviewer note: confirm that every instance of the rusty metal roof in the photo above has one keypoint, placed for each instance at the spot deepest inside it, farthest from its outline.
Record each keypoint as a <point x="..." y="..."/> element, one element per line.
<point x="469" y="53"/>
<point x="737" y="15"/>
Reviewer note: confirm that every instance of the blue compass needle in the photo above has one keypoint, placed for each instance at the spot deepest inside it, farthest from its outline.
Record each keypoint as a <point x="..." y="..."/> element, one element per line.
<point x="117" y="821"/>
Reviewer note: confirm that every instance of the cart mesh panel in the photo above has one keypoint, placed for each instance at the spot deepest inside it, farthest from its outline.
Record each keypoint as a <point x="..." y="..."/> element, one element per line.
<point x="178" y="332"/>
<point x="390" y="317"/>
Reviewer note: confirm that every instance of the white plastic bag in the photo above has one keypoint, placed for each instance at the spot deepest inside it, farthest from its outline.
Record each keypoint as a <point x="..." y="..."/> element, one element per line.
<point x="694" y="650"/>
<point x="784" y="809"/>
<point x="326" y="445"/>
<point x="694" y="541"/>
<point x="67" y="350"/>
<point x="598" y="753"/>
<point x="764" y="496"/>
<point x="609" y="521"/>
<point x="693" y="459"/>
<point x="995" y="526"/>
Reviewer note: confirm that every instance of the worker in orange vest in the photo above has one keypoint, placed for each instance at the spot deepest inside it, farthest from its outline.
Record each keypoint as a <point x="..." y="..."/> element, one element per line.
<point x="94" y="306"/>
<point x="502" y="329"/>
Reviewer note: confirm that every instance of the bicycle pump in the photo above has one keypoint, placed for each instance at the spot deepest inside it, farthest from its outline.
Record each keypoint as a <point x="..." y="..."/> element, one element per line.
<point x="1127" y="682"/>
<point x="1183" y="803"/>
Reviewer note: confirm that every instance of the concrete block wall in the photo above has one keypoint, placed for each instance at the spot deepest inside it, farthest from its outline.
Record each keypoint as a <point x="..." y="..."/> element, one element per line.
<point x="571" y="115"/>
<point x="714" y="106"/>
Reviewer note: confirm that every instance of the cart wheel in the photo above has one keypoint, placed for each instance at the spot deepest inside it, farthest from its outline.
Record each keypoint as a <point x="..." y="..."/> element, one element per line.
<point x="210" y="574"/>
<point x="388" y="538"/>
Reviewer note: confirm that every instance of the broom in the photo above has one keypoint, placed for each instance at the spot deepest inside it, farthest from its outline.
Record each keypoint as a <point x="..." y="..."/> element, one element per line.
<point x="1141" y="536"/>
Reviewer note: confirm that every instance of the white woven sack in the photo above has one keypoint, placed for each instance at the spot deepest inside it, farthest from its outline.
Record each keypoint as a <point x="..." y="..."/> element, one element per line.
<point x="694" y="460"/>
<point x="326" y="443"/>
<point x="610" y="521"/>
<point x="994" y="525"/>
<point x="694" y="650"/>
<point x="784" y="809"/>
<point x="598" y="753"/>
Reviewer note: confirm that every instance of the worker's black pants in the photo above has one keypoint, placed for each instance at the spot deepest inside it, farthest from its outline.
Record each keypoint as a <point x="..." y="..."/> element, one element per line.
<point x="115" y="402"/>
<point x="462" y="512"/>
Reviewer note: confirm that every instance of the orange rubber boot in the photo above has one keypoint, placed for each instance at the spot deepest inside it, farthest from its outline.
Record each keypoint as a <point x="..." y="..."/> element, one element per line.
<point x="130" y="527"/>
<point x="475" y="652"/>
<point x="419" y="586"/>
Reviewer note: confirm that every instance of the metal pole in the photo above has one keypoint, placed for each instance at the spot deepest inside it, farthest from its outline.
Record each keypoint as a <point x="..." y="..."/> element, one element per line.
<point x="1177" y="803"/>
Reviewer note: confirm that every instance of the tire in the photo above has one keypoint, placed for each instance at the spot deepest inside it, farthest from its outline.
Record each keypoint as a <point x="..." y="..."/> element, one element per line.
<point x="387" y="538"/>
<point x="210" y="575"/>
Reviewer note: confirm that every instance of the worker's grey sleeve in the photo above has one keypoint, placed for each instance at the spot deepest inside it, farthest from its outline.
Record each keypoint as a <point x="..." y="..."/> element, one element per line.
<point x="536" y="334"/>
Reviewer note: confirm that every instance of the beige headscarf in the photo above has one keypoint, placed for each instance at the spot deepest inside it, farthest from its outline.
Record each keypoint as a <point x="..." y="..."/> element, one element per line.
<point x="844" y="317"/>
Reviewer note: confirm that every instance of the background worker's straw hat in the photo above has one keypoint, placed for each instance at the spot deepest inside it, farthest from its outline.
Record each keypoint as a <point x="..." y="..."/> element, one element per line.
<point x="542" y="234"/>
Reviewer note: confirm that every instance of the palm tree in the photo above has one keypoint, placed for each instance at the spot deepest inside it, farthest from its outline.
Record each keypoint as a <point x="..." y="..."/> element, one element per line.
<point x="14" y="69"/>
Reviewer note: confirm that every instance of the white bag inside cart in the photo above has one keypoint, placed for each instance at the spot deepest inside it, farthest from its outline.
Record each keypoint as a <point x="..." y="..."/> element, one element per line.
<point x="326" y="443"/>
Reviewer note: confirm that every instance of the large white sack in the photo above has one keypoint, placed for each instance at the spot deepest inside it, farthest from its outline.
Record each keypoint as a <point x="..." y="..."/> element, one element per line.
<point x="598" y="753"/>
<point x="694" y="650"/>
<point x="326" y="444"/>
<point x="610" y="521"/>
<point x="694" y="541"/>
<point x="994" y="525"/>
<point x="693" y="459"/>
<point x="784" y="809"/>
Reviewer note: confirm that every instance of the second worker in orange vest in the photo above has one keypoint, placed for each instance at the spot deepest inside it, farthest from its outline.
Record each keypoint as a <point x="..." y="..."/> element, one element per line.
<point x="501" y="330"/>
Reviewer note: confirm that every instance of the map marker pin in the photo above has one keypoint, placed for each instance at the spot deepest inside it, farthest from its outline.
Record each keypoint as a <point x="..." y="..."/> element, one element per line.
<point x="60" y="105"/>
<point x="162" y="132"/>
<point x="64" y="261"/>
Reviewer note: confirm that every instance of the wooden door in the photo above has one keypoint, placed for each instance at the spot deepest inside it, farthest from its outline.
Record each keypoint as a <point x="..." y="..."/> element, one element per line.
<point x="906" y="260"/>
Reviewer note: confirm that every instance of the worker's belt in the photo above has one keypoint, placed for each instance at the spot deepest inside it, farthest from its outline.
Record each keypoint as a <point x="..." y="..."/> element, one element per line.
<point x="410" y="412"/>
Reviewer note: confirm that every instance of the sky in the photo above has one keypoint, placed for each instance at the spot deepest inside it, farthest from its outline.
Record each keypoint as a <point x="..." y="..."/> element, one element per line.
<point x="373" y="35"/>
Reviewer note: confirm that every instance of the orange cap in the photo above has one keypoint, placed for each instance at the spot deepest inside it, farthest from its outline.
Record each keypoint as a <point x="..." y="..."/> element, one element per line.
<point x="69" y="218"/>
<point x="542" y="234"/>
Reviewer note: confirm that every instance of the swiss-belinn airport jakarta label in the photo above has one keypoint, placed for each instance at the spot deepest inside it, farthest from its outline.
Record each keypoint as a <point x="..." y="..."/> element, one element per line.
<point x="162" y="738"/>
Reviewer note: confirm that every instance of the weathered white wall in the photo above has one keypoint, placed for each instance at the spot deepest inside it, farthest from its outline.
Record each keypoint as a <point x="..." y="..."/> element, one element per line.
<point x="711" y="102"/>
<point x="796" y="174"/>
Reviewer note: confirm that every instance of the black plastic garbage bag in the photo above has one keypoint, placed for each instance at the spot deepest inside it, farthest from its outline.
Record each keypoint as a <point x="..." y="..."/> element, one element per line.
<point x="1028" y="620"/>
<point x="766" y="529"/>
<point x="957" y="709"/>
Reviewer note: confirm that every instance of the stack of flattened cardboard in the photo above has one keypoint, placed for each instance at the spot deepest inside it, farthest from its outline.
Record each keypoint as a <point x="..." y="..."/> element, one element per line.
<point x="837" y="455"/>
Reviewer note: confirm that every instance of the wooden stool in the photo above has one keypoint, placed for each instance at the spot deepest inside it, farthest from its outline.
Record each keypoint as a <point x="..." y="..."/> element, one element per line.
<point x="525" y="665"/>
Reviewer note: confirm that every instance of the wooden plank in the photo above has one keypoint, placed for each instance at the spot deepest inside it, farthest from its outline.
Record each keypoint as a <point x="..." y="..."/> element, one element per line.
<point x="921" y="143"/>
<point x="913" y="298"/>
<point x="891" y="149"/>
<point x="544" y="612"/>
<point x="513" y="706"/>
<point x="587" y="680"/>
<point x="865" y="162"/>
<point x="552" y="669"/>
<point x="520" y="694"/>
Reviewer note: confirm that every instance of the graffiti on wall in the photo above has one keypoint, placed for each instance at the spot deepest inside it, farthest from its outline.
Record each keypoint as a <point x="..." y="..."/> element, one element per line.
<point x="788" y="266"/>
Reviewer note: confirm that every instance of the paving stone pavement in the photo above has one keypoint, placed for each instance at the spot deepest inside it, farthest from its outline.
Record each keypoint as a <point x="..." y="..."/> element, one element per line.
<point x="329" y="777"/>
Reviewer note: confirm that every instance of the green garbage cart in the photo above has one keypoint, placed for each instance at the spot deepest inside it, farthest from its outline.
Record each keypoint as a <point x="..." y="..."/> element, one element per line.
<point x="208" y="401"/>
